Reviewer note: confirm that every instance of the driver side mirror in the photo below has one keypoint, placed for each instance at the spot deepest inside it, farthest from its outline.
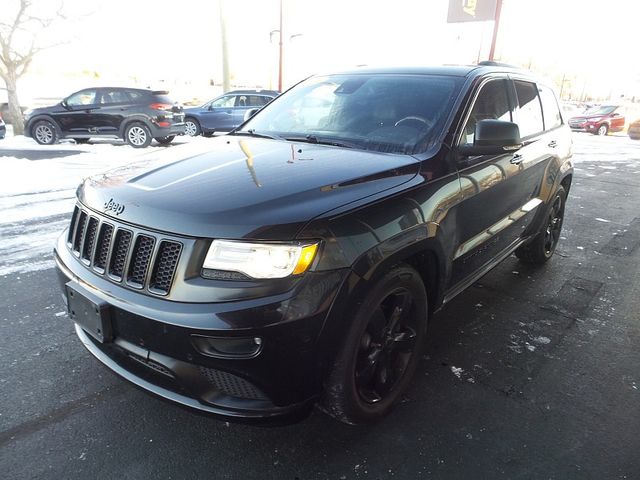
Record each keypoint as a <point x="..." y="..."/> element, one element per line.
<point x="64" y="104"/>
<point x="493" y="137"/>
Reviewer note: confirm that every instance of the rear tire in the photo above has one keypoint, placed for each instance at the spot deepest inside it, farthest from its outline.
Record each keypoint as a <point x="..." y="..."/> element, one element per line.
<point x="381" y="349"/>
<point x="165" y="140"/>
<point x="192" y="127"/>
<point x="137" y="135"/>
<point x="44" y="132"/>
<point x="541" y="248"/>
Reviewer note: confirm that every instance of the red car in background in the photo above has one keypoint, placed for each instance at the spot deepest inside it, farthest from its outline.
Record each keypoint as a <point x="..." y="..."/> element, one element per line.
<point x="599" y="120"/>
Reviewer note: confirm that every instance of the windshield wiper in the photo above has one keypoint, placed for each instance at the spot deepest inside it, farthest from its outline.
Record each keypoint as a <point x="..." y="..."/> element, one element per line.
<point x="252" y="133"/>
<point x="321" y="141"/>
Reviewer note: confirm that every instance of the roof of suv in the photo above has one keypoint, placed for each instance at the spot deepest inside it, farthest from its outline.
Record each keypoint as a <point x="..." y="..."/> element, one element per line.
<point x="450" y="70"/>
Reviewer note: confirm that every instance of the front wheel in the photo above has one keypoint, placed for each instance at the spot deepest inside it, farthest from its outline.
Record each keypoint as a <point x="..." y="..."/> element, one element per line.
<point x="137" y="135"/>
<point x="381" y="349"/>
<point x="165" y="140"/>
<point x="44" y="133"/>
<point x="602" y="129"/>
<point x="541" y="248"/>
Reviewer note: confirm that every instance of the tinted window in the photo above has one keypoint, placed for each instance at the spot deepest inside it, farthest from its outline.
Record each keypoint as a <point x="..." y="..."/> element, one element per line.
<point x="492" y="103"/>
<point x="251" y="100"/>
<point x="530" y="113"/>
<point x="550" y="109"/>
<point x="113" y="96"/>
<point x="224" y="102"/>
<point x="85" y="97"/>
<point x="380" y="112"/>
<point x="136" y="94"/>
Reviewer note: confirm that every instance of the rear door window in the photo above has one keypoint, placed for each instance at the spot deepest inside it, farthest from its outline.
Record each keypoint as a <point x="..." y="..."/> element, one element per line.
<point x="550" y="108"/>
<point x="113" y="96"/>
<point x="529" y="117"/>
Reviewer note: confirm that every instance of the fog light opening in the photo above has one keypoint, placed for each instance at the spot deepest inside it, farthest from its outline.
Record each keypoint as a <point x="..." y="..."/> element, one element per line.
<point x="227" y="347"/>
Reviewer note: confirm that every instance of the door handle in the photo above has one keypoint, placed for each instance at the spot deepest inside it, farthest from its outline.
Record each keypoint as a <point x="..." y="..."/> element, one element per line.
<point x="516" y="159"/>
<point x="553" y="144"/>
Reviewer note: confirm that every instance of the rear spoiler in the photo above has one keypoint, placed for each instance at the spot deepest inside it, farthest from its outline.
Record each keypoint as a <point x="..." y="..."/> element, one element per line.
<point x="160" y="92"/>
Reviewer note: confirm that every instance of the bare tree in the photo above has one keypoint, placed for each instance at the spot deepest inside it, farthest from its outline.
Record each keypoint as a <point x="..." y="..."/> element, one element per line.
<point x="18" y="46"/>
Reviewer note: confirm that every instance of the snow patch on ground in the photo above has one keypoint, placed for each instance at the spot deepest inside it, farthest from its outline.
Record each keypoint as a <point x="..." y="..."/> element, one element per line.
<point x="37" y="196"/>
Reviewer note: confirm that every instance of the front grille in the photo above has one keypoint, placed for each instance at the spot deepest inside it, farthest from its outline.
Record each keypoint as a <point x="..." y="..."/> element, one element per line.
<point x="232" y="385"/>
<point x="122" y="255"/>
<point x="140" y="259"/>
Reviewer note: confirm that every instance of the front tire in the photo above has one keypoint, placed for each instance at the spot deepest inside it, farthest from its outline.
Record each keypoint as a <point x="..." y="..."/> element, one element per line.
<point x="381" y="349"/>
<point x="165" y="140"/>
<point x="137" y="135"/>
<point x="602" y="130"/>
<point x="541" y="248"/>
<point x="192" y="127"/>
<point x="44" y="132"/>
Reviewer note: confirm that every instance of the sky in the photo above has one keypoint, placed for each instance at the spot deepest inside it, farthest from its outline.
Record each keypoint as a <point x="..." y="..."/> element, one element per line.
<point x="587" y="42"/>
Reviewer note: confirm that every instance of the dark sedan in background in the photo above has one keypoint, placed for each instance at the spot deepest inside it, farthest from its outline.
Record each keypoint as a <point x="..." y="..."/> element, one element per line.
<point x="3" y="129"/>
<point x="226" y="112"/>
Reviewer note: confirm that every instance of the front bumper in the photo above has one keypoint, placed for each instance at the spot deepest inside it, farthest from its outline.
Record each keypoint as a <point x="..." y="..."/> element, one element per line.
<point x="153" y="345"/>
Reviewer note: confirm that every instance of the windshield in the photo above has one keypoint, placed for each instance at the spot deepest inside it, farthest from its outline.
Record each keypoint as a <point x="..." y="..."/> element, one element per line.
<point x="384" y="112"/>
<point x="600" y="110"/>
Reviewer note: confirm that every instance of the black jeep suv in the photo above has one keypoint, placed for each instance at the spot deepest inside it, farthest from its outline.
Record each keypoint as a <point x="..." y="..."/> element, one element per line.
<point x="298" y="259"/>
<point x="132" y="114"/>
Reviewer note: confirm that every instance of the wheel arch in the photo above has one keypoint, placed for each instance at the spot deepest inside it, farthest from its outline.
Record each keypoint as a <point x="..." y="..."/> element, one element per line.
<point x="38" y="118"/>
<point x="426" y="256"/>
<point x="135" y="119"/>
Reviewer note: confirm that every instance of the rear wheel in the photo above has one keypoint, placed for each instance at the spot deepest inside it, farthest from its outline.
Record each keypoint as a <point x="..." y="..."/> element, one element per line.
<point x="137" y="135"/>
<point x="165" y="140"/>
<point x="44" y="133"/>
<point x="602" y="129"/>
<point x="381" y="350"/>
<point x="541" y="248"/>
<point x="192" y="127"/>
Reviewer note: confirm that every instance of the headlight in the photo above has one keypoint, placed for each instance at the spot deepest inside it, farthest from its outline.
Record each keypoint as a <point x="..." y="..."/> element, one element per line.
<point x="260" y="260"/>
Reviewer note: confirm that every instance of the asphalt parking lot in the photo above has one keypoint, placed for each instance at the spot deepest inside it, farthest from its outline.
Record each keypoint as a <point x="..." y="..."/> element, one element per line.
<point x="529" y="374"/>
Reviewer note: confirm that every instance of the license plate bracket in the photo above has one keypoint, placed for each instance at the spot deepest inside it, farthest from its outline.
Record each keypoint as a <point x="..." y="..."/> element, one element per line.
<point x="89" y="312"/>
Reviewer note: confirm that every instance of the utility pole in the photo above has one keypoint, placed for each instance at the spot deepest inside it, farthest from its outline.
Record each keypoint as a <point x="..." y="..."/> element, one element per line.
<point x="225" y="52"/>
<point x="496" y="25"/>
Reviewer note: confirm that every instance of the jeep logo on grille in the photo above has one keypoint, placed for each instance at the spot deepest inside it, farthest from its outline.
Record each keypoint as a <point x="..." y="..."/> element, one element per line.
<point x="114" y="207"/>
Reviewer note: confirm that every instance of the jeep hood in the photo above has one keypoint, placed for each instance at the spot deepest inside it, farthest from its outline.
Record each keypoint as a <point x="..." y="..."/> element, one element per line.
<point x="239" y="187"/>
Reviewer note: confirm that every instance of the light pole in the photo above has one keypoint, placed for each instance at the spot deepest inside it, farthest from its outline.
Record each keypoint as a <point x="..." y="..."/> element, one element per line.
<point x="496" y="25"/>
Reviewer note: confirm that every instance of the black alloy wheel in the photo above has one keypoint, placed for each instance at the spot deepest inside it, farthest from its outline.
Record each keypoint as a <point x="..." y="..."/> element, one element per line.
<point x="386" y="347"/>
<point x="541" y="248"/>
<point x="381" y="350"/>
<point x="554" y="227"/>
